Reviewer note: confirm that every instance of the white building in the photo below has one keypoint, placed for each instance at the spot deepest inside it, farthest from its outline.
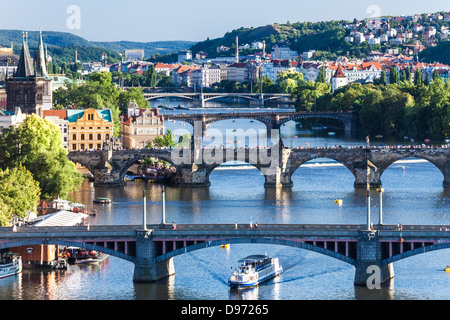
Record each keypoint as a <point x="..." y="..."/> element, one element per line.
<point x="273" y="67"/>
<point x="338" y="80"/>
<point x="184" y="55"/>
<point x="283" y="52"/>
<point x="59" y="118"/>
<point x="9" y="118"/>
<point x="309" y="54"/>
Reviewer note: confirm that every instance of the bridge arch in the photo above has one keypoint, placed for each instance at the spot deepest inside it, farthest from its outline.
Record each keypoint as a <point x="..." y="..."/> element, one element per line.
<point x="249" y="97"/>
<point x="67" y="243"/>
<point x="125" y="165"/>
<point x="283" y="242"/>
<point x="214" y="166"/>
<point x="386" y="164"/>
<point x="304" y="161"/>
<point x="171" y="96"/>
<point x="349" y="121"/>
<point x="414" y="252"/>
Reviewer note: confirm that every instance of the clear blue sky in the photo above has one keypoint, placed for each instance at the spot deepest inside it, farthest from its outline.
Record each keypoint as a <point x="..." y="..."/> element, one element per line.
<point x="195" y="20"/>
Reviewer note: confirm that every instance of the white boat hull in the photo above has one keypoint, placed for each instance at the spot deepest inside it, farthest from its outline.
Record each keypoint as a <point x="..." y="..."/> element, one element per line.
<point x="11" y="269"/>
<point x="251" y="274"/>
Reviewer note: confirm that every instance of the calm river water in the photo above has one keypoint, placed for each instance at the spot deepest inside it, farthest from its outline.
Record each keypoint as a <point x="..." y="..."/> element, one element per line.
<point x="413" y="195"/>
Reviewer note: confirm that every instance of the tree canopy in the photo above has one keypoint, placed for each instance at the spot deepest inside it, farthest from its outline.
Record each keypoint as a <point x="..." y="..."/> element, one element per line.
<point x="36" y="145"/>
<point x="19" y="193"/>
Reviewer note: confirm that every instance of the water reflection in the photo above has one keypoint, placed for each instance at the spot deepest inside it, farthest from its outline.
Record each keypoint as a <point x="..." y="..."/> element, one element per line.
<point x="386" y="292"/>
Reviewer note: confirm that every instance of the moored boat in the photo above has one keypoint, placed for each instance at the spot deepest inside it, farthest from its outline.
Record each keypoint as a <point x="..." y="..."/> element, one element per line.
<point x="102" y="200"/>
<point x="447" y="269"/>
<point x="254" y="270"/>
<point x="76" y="255"/>
<point x="10" y="264"/>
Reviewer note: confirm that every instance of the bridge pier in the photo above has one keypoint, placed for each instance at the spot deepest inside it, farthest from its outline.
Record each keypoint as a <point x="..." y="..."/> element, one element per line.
<point x="194" y="176"/>
<point x="145" y="268"/>
<point x="446" y="172"/>
<point x="107" y="177"/>
<point x="369" y="270"/>
<point x="361" y="178"/>
<point x="257" y="103"/>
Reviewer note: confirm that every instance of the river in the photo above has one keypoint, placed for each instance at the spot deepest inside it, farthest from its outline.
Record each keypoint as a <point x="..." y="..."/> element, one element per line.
<point x="413" y="195"/>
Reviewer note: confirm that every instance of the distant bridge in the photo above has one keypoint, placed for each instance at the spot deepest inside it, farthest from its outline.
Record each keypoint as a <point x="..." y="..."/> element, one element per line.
<point x="152" y="249"/>
<point x="272" y="120"/>
<point x="256" y="99"/>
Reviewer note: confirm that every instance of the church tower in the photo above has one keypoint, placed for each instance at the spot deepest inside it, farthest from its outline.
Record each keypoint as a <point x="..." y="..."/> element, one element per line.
<point x="339" y="79"/>
<point x="30" y="88"/>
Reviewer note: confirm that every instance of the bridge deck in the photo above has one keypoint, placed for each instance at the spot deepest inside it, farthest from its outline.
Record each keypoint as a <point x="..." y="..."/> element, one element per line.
<point x="124" y="231"/>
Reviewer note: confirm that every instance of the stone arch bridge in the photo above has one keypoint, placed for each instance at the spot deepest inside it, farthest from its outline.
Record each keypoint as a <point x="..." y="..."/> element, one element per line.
<point x="256" y="99"/>
<point x="270" y="120"/>
<point x="153" y="248"/>
<point x="277" y="164"/>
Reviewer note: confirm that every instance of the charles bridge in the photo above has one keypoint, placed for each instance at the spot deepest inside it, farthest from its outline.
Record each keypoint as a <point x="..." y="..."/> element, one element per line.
<point x="277" y="163"/>
<point x="152" y="247"/>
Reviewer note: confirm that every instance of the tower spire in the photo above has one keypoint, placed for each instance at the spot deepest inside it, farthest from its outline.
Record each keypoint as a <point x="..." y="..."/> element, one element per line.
<point x="25" y="66"/>
<point x="40" y="58"/>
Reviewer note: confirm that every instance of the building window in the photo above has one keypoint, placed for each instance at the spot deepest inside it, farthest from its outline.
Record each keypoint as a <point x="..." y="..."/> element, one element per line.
<point x="99" y="136"/>
<point x="82" y="146"/>
<point x="82" y="136"/>
<point x="74" y="136"/>
<point x="74" y="146"/>
<point x="90" y="136"/>
<point x="107" y="136"/>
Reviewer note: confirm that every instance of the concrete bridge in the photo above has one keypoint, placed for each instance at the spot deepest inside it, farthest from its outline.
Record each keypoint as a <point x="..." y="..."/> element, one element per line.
<point x="270" y="120"/>
<point x="194" y="165"/>
<point x="256" y="99"/>
<point x="152" y="249"/>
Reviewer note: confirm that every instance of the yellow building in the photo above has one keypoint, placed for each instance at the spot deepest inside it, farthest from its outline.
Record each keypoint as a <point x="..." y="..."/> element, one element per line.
<point x="89" y="129"/>
<point x="140" y="126"/>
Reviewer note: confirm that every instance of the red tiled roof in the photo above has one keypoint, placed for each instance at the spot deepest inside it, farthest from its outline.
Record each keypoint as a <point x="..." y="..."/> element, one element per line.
<point x="61" y="114"/>
<point x="339" y="73"/>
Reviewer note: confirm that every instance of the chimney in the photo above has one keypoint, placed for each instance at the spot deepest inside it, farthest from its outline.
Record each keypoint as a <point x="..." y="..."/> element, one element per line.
<point x="237" y="49"/>
<point x="264" y="48"/>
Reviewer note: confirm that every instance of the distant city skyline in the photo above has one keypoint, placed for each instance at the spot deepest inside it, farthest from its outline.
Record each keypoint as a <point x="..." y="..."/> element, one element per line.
<point x="196" y="20"/>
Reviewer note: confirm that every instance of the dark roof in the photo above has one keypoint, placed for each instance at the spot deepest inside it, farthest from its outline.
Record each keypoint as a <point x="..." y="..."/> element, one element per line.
<point x="25" y="66"/>
<point x="40" y="60"/>
<point x="9" y="60"/>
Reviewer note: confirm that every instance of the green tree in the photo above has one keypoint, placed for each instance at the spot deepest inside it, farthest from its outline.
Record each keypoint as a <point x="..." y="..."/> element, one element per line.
<point x="167" y="140"/>
<point x="417" y="77"/>
<point x="394" y="77"/>
<point x="288" y="81"/>
<point x="36" y="145"/>
<point x="132" y="95"/>
<point x="19" y="193"/>
<point x="322" y="76"/>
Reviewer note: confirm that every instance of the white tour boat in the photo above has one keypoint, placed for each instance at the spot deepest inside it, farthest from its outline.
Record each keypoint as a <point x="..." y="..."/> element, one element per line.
<point x="254" y="270"/>
<point x="10" y="264"/>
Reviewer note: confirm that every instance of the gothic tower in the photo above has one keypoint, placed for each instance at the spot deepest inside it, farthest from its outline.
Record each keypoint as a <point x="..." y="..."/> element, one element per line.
<point x="30" y="88"/>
